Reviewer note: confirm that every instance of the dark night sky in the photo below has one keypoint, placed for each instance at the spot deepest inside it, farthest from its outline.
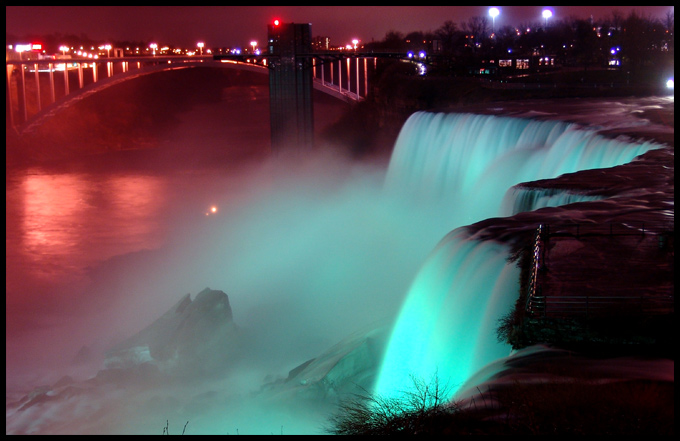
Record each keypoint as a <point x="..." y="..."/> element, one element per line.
<point x="238" y="25"/>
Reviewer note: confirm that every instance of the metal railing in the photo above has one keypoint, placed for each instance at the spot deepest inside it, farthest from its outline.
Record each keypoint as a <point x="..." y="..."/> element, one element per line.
<point x="599" y="306"/>
<point x="540" y="305"/>
<point x="532" y="307"/>
<point x="632" y="228"/>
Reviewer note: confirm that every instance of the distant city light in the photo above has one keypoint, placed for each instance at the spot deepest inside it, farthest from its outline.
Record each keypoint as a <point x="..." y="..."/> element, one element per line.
<point x="669" y="84"/>
<point x="493" y="12"/>
<point x="547" y="13"/>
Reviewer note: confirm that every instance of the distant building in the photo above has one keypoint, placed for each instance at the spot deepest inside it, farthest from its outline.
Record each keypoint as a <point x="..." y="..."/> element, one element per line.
<point x="321" y="44"/>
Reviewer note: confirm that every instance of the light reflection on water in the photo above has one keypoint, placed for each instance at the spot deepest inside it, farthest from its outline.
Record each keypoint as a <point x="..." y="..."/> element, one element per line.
<point x="60" y="224"/>
<point x="65" y="231"/>
<point x="70" y="221"/>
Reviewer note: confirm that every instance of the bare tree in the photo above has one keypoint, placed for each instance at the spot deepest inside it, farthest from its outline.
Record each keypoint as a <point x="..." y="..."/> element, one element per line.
<point x="477" y="26"/>
<point x="409" y="414"/>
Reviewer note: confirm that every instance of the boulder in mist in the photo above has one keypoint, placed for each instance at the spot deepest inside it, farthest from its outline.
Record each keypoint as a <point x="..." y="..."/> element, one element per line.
<point x="193" y="337"/>
<point x="346" y="368"/>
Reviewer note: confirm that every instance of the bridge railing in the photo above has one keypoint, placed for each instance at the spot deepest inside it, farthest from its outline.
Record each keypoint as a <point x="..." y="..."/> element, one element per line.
<point x="32" y="85"/>
<point x="35" y="84"/>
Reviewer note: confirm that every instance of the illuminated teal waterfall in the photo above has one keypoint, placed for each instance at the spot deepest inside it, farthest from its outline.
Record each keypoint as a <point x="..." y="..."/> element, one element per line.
<point x="519" y="199"/>
<point x="465" y="164"/>
<point x="446" y="327"/>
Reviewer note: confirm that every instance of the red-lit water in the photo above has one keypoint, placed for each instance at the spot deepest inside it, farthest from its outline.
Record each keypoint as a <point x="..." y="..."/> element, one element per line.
<point x="63" y="224"/>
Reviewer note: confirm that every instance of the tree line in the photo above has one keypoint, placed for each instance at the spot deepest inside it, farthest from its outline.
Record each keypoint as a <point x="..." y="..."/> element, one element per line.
<point x="636" y="40"/>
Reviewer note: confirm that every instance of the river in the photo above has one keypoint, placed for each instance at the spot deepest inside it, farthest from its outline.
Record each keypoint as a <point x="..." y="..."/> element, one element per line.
<point x="72" y="223"/>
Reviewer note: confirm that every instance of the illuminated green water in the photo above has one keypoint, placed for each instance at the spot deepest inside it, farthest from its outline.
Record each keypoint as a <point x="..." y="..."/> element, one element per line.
<point x="466" y="163"/>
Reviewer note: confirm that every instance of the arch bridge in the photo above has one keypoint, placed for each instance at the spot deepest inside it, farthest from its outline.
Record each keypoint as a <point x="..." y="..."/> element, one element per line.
<point x="40" y="88"/>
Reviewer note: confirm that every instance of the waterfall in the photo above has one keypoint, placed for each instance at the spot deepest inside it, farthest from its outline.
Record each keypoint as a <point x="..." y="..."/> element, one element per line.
<point x="518" y="199"/>
<point x="465" y="164"/>
<point x="446" y="327"/>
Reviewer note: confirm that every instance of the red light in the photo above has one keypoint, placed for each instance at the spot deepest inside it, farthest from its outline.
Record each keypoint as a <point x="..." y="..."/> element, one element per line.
<point x="276" y="22"/>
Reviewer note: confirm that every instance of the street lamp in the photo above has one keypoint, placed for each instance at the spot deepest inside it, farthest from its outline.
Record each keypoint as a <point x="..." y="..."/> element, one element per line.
<point x="153" y="46"/>
<point x="108" y="50"/>
<point x="254" y="45"/>
<point x="200" y="46"/>
<point x="493" y="12"/>
<point x="547" y="13"/>
<point x="355" y="42"/>
<point x="63" y="50"/>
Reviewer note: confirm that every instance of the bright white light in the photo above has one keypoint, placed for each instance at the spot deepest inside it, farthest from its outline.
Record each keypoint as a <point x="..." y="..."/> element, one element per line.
<point x="493" y="12"/>
<point x="669" y="84"/>
<point x="547" y="13"/>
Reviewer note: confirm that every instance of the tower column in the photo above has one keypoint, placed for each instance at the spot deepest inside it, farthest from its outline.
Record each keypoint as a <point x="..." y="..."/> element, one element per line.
<point x="290" y="86"/>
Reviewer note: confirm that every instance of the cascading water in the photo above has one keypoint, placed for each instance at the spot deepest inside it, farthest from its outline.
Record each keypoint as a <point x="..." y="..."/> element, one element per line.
<point x="518" y="200"/>
<point x="465" y="164"/>
<point x="447" y="324"/>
